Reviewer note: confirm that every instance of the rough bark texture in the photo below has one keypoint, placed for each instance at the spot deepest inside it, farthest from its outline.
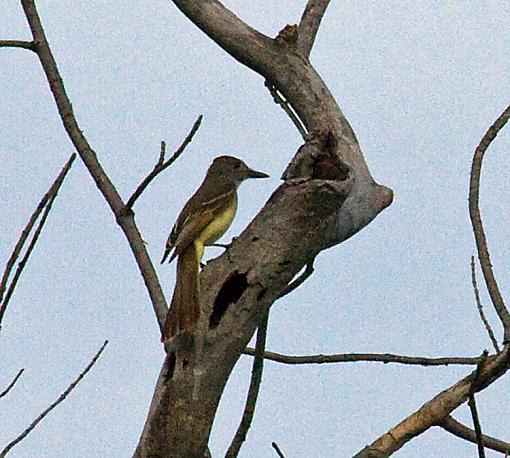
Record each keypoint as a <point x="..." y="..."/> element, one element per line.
<point x="237" y="288"/>
<point x="328" y="195"/>
<point x="309" y="25"/>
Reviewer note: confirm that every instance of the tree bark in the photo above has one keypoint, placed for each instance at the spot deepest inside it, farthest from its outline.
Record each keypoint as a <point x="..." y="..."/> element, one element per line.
<point x="328" y="195"/>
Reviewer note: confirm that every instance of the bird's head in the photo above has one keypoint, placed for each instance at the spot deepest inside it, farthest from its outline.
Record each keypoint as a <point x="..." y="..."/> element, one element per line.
<point x="233" y="168"/>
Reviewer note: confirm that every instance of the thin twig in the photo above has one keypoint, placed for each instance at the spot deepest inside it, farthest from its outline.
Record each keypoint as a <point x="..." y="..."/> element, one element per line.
<point x="60" y="399"/>
<point x="11" y="385"/>
<point x="17" y="44"/>
<point x="298" y="281"/>
<point x="253" y="391"/>
<point x="124" y="217"/>
<point x="279" y="100"/>
<point x="476" y="423"/>
<point x="275" y="446"/>
<point x="458" y="429"/>
<point x="24" y="259"/>
<point x="28" y="227"/>
<point x="162" y="165"/>
<point x="472" y="404"/>
<point x="367" y="357"/>
<point x="309" y="24"/>
<point x="45" y="204"/>
<point x="480" y="307"/>
<point x="162" y="152"/>
<point x="476" y="221"/>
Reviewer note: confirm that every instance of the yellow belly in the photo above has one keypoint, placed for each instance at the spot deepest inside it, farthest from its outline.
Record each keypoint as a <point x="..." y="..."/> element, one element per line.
<point x="215" y="229"/>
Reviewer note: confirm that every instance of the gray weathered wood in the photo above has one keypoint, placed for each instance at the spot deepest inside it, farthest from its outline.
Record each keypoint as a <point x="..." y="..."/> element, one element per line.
<point x="328" y="195"/>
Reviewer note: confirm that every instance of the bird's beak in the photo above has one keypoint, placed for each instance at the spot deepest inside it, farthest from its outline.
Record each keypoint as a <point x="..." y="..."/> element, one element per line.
<point x="250" y="173"/>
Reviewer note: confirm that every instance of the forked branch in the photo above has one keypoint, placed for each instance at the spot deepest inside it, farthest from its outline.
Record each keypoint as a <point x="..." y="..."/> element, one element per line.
<point x="434" y="411"/>
<point x="123" y="215"/>
<point x="162" y="165"/>
<point x="476" y="221"/>
<point x="437" y="409"/>
<point x="306" y="33"/>
<point x="45" y="204"/>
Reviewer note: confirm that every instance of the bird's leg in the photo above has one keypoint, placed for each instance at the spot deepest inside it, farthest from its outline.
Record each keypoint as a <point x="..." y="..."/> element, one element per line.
<point x="226" y="246"/>
<point x="202" y="264"/>
<point x="222" y="245"/>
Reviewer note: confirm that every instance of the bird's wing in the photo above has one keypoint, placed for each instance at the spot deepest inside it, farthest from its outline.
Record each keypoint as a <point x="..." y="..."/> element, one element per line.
<point x="188" y="229"/>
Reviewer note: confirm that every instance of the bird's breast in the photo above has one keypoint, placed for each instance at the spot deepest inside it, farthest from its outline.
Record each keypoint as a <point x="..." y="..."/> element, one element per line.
<point x="219" y="225"/>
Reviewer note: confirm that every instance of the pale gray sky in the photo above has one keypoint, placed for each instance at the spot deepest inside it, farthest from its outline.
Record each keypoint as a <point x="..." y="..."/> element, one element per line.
<point x="420" y="82"/>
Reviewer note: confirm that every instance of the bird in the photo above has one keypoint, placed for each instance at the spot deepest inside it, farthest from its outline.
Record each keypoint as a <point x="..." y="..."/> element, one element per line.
<point x="205" y="217"/>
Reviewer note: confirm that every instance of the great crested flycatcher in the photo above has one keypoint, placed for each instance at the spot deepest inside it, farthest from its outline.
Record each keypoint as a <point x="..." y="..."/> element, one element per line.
<point x="204" y="219"/>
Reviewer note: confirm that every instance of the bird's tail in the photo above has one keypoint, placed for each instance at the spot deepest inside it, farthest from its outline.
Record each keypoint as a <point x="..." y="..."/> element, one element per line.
<point x="184" y="308"/>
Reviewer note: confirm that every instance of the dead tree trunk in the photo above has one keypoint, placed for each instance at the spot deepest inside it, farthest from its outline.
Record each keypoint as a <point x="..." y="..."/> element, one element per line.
<point x="327" y="196"/>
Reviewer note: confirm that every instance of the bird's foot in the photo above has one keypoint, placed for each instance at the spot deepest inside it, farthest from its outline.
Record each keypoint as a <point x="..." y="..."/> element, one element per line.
<point x="226" y="246"/>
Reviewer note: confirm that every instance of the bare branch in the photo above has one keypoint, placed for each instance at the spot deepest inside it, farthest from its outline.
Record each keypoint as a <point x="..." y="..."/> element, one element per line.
<point x="162" y="165"/>
<point x="243" y="42"/>
<point x="162" y="152"/>
<point x="434" y="411"/>
<point x="309" y="24"/>
<point x="123" y="216"/>
<point x="261" y="262"/>
<point x="11" y="385"/>
<point x="367" y="357"/>
<point x="298" y="281"/>
<point x="46" y="204"/>
<point x="473" y="409"/>
<point x="60" y="399"/>
<point x="476" y="221"/>
<point x="480" y="307"/>
<point x="17" y="44"/>
<point x="238" y="286"/>
<point x="275" y="446"/>
<point x="279" y="100"/>
<point x="280" y="63"/>
<point x="476" y="423"/>
<point x="458" y="429"/>
<point x="253" y="391"/>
